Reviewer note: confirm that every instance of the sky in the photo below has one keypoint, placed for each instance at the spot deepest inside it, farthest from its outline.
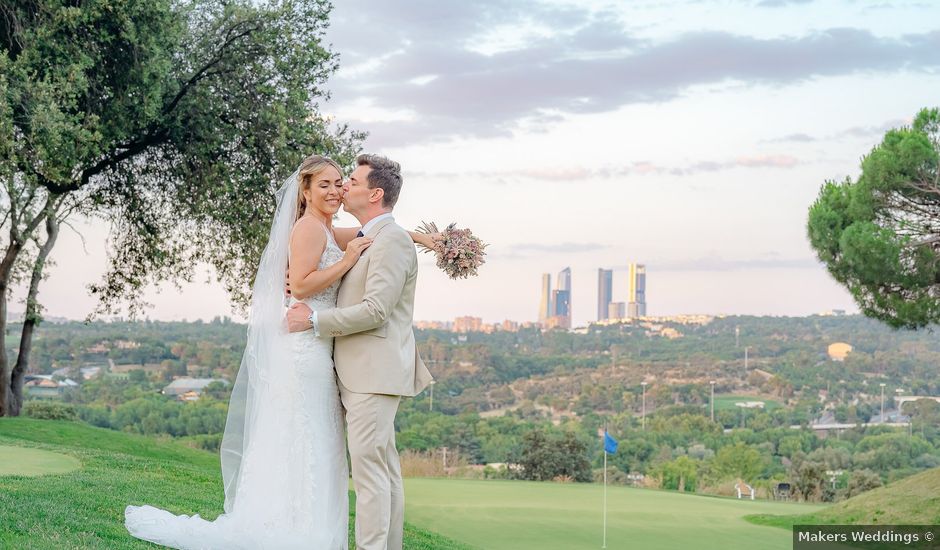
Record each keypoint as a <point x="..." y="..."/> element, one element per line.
<point x="690" y="136"/>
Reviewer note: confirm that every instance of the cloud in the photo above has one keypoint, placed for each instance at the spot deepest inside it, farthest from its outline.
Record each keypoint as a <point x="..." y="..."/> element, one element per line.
<point x="757" y="161"/>
<point x="797" y="138"/>
<point x="877" y="130"/>
<point x="557" y="248"/>
<point x="527" y="250"/>
<point x="855" y="132"/>
<point x="717" y="263"/>
<point x="441" y="61"/>
<point x="780" y="3"/>
<point x="637" y="168"/>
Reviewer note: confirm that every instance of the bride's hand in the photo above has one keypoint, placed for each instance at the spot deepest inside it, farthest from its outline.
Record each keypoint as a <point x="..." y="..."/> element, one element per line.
<point x="430" y="240"/>
<point x="354" y="249"/>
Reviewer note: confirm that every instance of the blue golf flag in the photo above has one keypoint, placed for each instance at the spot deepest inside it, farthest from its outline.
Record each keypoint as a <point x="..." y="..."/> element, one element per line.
<point x="610" y="444"/>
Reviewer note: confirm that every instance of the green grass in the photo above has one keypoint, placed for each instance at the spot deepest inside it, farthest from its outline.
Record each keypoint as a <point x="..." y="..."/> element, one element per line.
<point x="84" y="509"/>
<point x="504" y="515"/>
<point x="23" y="461"/>
<point x="913" y="501"/>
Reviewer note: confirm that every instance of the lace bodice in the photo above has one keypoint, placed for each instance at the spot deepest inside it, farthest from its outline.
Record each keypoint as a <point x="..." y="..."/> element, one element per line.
<point x="326" y="299"/>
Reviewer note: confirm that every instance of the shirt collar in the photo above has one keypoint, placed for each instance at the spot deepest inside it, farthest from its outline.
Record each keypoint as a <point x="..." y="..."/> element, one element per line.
<point x="371" y="223"/>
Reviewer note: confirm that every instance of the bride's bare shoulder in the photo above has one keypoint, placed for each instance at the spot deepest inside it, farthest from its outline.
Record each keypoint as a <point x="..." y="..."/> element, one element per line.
<point x="308" y="232"/>
<point x="309" y="226"/>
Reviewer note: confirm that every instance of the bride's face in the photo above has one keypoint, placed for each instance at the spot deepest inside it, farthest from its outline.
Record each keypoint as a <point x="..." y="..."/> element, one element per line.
<point x="325" y="192"/>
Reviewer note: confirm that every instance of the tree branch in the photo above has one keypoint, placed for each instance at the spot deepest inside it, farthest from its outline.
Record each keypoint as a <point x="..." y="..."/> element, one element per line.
<point x="215" y="60"/>
<point x="156" y="135"/>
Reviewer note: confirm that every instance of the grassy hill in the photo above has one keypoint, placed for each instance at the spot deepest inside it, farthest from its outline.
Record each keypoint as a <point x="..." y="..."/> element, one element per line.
<point x="84" y="508"/>
<point x="914" y="500"/>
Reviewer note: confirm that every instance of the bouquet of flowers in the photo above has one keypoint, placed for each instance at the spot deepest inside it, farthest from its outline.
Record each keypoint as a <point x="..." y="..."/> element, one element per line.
<point x="459" y="253"/>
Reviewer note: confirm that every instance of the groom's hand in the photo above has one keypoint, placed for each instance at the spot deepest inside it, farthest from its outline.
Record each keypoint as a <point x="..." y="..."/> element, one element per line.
<point x="298" y="317"/>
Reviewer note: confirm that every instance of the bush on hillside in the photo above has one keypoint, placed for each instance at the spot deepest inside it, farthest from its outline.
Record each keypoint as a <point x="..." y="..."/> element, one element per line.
<point x="614" y="476"/>
<point x="861" y="481"/>
<point x="49" y="410"/>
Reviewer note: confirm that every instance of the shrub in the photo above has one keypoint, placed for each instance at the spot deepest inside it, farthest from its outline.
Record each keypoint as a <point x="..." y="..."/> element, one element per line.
<point x="49" y="410"/>
<point x="210" y="442"/>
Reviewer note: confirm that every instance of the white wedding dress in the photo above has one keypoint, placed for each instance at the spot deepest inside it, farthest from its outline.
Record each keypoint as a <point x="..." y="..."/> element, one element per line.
<point x="291" y="486"/>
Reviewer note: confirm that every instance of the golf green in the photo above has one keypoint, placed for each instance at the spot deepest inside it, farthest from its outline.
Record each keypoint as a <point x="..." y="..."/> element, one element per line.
<point x="510" y="515"/>
<point x="24" y="461"/>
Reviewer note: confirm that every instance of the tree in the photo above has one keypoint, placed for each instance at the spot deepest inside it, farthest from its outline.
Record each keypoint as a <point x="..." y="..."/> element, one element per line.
<point x="680" y="474"/>
<point x="809" y="478"/>
<point x="738" y="461"/>
<point x="545" y="457"/>
<point x="861" y="481"/>
<point x="174" y="121"/>
<point x="880" y="235"/>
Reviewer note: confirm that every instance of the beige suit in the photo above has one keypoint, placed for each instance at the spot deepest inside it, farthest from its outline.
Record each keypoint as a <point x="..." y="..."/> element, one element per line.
<point x="377" y="362"/>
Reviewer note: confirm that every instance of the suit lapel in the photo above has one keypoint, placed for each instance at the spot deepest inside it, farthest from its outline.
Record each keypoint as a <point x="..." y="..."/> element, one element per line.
<point x="374" y="230"/>
<point x="362" y="263"/>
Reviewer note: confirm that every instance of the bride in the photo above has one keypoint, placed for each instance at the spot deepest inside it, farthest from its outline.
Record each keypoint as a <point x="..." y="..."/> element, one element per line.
<point x="283" y="453"/>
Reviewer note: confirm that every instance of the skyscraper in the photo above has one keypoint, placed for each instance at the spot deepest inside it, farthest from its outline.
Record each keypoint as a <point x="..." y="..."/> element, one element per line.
<point x="562" y="299"/>
<point x="564" y="279"/>
<point x="564" y="285"/>
<point x="562" y="313"/>
<point x="605" y="286"/>
<point x="545" y="305"/>
<point x="636" y="306"/>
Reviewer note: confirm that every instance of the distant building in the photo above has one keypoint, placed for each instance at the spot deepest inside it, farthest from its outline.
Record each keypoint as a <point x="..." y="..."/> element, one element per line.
<point x="191" y="395"/>
<point x="619" y="309"/>
<point x="636" y="304"/>
<point x="148" y="367"/>
<point x="509" y="326"/>
<point x="47" y="385"/>
<point x="892" y="416"/>
<point x="633" y="310"/>
<point x="468" y="324"/>
<point x="562" y="300"/>
<point x="605" y="287"/>
<point x="432" y="325"/>
<point x="126" y="344"/>
<point x="671" y="333"/>
<point x="564" y="293"/>
<point x="616" y="310"/>
<point x="545" y="304"/>
<point x="839" y="350"/>
<point x="86" y="372"/>
<point x="98" y="348"/>
<point x="558" y="321"/>
<point x="564" y="279"/>
<point x="833" y="313"/>
<point x="188" y="389"/>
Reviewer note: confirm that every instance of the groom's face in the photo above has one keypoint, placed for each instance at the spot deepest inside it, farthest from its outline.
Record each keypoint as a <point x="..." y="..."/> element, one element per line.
<point x="357" y="190"/>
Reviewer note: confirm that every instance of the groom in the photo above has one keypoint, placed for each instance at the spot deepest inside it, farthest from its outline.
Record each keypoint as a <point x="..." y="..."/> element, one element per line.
<point x="374" y="353"/>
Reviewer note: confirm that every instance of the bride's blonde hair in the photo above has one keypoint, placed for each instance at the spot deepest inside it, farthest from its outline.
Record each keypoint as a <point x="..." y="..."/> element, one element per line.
<point x="310" y="168"/>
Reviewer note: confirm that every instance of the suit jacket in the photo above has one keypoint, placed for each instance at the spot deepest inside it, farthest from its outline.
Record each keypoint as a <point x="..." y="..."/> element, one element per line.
<point x="374" y="349"/>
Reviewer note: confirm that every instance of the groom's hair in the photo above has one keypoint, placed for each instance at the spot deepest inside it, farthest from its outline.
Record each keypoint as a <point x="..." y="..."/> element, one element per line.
<point x="385" y="175"/>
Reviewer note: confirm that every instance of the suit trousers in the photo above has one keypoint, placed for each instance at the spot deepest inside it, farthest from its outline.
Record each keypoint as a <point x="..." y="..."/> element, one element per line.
<point x="376" y="469"/>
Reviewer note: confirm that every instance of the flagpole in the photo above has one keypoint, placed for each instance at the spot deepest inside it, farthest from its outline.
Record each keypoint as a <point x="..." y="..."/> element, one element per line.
<point x="605" y="485"/>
